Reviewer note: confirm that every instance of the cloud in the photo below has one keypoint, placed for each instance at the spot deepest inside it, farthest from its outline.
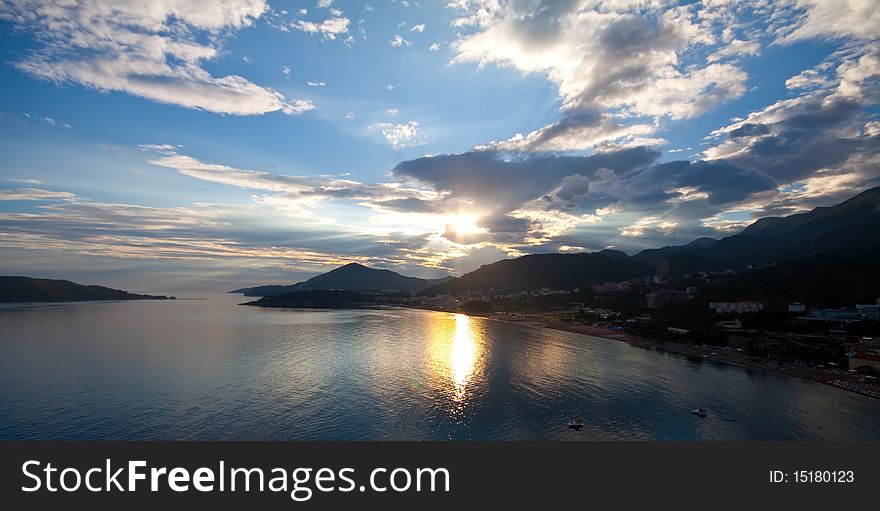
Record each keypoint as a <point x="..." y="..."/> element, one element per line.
<point x="833" y="19"/>
<point x="399" y="135"/>
<point x="329" y="29"/>
<point x="153" y="50"/>
<point x="434" y="47"/>
<point x="418" y="28"/>
<point x="398" y="41"/>
<point x="315" y="84"/>
<point x="735" y="48"/>
<point x="576" y="132"/>
<point x="324" y="4"/>
<point x="32" y="194"/>
<point x="624" y="58"/>
<point x="496" y="187"/>
<point x="824" y="130"/>
<point x="610" y="62"/>
<point x="26" y="181"/>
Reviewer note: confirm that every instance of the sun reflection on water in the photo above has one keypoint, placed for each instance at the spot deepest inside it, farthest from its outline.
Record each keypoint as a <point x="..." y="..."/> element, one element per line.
<point x="456" y="355"/>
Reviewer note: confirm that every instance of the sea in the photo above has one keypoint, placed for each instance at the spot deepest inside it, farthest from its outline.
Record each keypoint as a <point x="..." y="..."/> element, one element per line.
<point x="208" y="368"/>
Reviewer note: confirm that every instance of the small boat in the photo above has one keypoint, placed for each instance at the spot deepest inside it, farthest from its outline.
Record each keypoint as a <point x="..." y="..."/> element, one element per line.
<point x="699" y="412"/>
<point x="730" y="418"/>
<point x="576" y="425"/>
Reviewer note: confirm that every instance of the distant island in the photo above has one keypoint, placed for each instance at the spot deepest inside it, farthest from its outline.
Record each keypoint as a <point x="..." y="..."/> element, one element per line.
<point x="30" y="290"/>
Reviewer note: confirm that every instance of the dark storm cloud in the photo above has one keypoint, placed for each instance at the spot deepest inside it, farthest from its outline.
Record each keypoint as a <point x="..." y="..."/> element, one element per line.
<point x="500" y="184"/>
<point x="814" y="134"/>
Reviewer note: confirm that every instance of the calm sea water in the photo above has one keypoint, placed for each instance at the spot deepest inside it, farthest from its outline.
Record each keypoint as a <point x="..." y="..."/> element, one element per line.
<point x="211" y="369"/>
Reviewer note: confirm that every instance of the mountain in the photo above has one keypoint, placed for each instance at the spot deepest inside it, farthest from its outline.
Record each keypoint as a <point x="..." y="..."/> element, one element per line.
<point x="351" y="277"/>
<point x="848" y="229"/>
<point x="27" y="289"/>
<point x="829" y="279"/>
<point x="556" y="271"/>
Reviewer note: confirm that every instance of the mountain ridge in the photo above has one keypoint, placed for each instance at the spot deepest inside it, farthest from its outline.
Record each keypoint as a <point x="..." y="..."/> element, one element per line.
<point x="349" y="277"/>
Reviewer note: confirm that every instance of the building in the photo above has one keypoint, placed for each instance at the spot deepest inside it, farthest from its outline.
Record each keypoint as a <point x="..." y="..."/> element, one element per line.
<point x="835" y="314"/>
<point x="867" y="360"/>
<point x="796" y="307"/>
<point x="736" y="307"/>
<point x="666" y="297"/>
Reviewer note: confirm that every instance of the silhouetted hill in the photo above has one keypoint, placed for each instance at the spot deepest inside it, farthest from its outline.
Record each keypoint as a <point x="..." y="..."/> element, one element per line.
<point x="351" y="277"/>
<point x="847" y="229"/>
<point x="556" y="271"/>
<point x="829" y="279"/>
<point x="27" y="289"/>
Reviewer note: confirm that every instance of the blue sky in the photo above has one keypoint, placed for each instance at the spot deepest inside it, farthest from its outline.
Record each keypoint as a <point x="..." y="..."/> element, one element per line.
<point x="174" y="146"/>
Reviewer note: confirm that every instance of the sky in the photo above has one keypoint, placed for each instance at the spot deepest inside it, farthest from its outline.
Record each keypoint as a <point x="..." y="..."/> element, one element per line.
<point x="172" y="146"/>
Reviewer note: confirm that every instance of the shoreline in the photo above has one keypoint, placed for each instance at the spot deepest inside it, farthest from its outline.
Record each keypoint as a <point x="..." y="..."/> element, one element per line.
<point x="842" y="380"/>
<point x="839" y="379"/>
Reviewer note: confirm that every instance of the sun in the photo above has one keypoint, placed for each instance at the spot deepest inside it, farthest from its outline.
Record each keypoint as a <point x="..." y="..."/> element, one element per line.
<point x="463" y="229"/>
<point x="464" y="224"/>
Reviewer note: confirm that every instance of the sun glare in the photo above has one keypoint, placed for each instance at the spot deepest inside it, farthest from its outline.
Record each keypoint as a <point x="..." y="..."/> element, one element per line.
<point x="463" y="230"/>
<point x="464" y="225"/>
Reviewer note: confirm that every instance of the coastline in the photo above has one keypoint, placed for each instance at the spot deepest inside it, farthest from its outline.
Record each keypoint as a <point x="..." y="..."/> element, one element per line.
<point x="835" y="378"/>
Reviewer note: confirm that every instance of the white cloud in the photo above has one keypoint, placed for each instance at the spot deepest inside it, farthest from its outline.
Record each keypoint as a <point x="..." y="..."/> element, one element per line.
<point x="34" y="194"/>
<point x="323" y="4"/>
<point x="285" y="71"/>
<point x="329" y="28"/>
<point x="290" y="186"/>
<point x="617" y="56"/>
<point x="576" y="133"/>
<point x="834" y="19"/>
<point x="418" y="28"/>
<point x="735" y="48"/>
<point x="26" y="181"/>
<point x="399" y="135"/>
<point x="315" y="84"/>
<point x="163" y="149"/>
<point x="393" y="111"/>
<point x="434" y="47"/>
<point x="154" y="50"/>
<point x="398" y="41"/>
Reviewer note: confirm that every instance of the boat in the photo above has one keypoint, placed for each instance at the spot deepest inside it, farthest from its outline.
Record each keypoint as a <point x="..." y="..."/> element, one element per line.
<point x="730" y="418"/>
<point x="699" y="412"/>
<point x="576" y="425"/>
